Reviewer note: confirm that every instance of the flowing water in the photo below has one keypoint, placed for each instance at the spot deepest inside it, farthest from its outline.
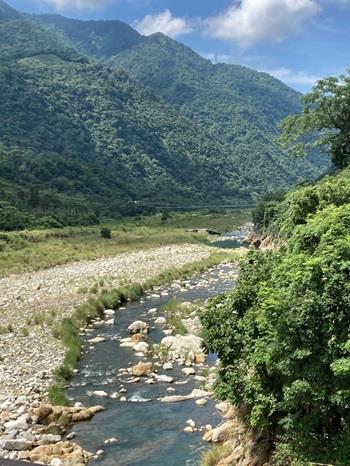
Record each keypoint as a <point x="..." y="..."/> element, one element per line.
<point x="149" y="433"/>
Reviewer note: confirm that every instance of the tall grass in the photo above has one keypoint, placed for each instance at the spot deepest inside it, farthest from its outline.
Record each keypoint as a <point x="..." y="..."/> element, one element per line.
<point x="33" y="250"/>
<point x="69" y="329"/>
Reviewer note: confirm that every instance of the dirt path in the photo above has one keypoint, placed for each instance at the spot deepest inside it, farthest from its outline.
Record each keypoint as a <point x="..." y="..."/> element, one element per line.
<point x="31" y="303"/>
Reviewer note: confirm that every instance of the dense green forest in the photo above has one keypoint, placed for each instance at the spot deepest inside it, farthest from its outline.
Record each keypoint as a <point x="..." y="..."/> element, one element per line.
<point x="238" y="107"/>
<point x="283" y="333"/>
<point x="81" y="141"/>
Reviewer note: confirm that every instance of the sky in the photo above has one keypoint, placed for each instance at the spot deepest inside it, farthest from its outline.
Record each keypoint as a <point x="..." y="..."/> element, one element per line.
<point x="297" y="41"/>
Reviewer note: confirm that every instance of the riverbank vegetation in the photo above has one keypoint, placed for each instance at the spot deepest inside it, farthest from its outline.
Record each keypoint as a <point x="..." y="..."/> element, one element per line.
<point x="38" y="249"/>
<point x="69" y="330"/>
<point x="283" y="334"/>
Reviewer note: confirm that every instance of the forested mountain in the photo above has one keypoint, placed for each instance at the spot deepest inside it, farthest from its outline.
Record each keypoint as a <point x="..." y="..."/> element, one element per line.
<point x="80" y="139"/>
<point x="240" y="108"/>
<point x="96" y="39"/>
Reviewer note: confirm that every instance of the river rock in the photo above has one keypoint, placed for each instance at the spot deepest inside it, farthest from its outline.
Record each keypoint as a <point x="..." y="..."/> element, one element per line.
<point x="152" y="311"/>
<point x="167" y="366"/>
<point x="100" y="393"/>
<point x="68" y="453"/>
<point x="164" y="378"/>
<point x="50" y="438"/>
<point x="188" y="371"/>
<point x="109" y="312"/>
<point x="137" y="337"/>
<point x="138" y="327"/>
<point x="97" y="340"/>
<point x="142" y="369"/>
<point x="141" y="347"/>
<point x="160" y="320"/>
<point x="180" y="345"/>
<point x="221" y="433"/>
<point x="173" y="399"/>
<point x="201" y="402"/>
<point x="18" y="444"/>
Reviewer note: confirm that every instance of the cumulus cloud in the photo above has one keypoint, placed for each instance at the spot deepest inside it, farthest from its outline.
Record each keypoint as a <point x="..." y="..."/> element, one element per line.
<point x="60" y="5"/>
<point x="294" y="77"/>
<point x="251" y="21"/>
<point x="163" y="22"/>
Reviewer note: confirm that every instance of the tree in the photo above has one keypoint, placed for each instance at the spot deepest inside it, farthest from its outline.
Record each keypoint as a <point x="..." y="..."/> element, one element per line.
<point x="325" y="122"/>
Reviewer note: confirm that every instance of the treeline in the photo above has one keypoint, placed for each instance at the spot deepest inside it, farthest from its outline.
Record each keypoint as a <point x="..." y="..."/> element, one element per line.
<point x="283" y="334"/>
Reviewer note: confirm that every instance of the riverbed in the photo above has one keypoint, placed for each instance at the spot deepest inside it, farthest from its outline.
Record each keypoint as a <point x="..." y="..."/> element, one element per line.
<point x="148" y="432"/>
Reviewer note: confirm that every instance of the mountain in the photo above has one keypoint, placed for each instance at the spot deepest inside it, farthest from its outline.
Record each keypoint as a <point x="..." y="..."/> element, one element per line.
<point x="81" y="140"/>
<point x="96" y="39"/>
<point x="7" y="12"/>
<point x="237" y="107"/>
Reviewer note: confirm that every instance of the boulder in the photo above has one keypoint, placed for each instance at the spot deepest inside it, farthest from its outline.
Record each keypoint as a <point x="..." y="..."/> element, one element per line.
<point x="138" y="327"/>
<point x="141" y="347"/>
<point x="142" y="369"/>
<point x="68" y="453"/>
<point x="137" y="337"/>
<point x="180" y="345"/>
<point x="97" y="340"/>
<point x="160" y="320"/>
<point x="18" y="444"/>
<point x="221" y="433"/>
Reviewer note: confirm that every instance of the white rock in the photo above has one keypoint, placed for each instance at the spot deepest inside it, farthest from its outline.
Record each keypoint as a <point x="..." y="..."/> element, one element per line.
<point x="111" y="440"/>
<point x="141" y="347"/>
<point x="191" y="423"/>
<point x="97" y="340"/>
<point x="167" y="366"/>
<point x="164" y="378"/>
<point x="100" y="393"/>
<point x="109" y="312"/>
<point x="20" y="423"/>
<point x="154" y="310"/>
<point x="138" y="327"/>
<point x="56" y="462"/>
<point x="201" y="402"/>
<point x="109" y="322"/>
<point x="188" y="371"/>
<point x="160" y="320"/>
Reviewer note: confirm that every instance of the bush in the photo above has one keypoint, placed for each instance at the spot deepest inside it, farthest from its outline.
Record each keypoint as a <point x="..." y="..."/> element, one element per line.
<point x="106" y="233"/>
<point x="283" y="338"/>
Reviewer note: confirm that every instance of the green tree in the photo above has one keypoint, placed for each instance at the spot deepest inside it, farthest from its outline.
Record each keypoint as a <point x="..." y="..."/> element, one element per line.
<point x="325" y="122"/>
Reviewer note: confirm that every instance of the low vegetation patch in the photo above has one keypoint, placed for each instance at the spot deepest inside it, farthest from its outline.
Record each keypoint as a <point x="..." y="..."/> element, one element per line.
<point x="175" y="312"/>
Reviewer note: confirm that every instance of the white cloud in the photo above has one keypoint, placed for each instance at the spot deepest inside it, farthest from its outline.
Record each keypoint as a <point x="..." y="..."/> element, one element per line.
<point x="299" y="78"/>
<point x="60" y="5"/>
<point x="163" y="22"/>
<point x="251" y="21"/>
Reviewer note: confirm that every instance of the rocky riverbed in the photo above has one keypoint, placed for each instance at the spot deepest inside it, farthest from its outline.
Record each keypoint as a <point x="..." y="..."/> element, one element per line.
<point x="155" y="383"/>
<point x="31" y="304"/>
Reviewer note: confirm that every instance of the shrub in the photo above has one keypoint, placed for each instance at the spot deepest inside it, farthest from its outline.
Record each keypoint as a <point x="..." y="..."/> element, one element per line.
<point x="106" y="233"/>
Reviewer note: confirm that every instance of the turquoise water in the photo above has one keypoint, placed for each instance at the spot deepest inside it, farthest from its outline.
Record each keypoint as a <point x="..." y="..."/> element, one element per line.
<point x="149" y="433"/>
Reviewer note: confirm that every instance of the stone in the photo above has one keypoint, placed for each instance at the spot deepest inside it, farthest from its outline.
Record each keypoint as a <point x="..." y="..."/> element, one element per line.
<point x="50" y="438"/>
<point x="221" y="433"/>
<point x="160" y="320"/>
<point x="188" y="371"/>
<point x="191" y="423"/>
<point x="167" y="366"/>
<point x="97" y="340"/>
<point x="142" y="369"/>
<point x="109" y="312"/>
<point x="56" y="462"/>
<point x="137" y="338"/>
<point x="69" y="453"/>
<point x="154" y="310"/>
<point x="111" y="440"/>
<point x="201" y="402"/>
<point x="181" y="345"/>
<point x="20" y="423"/>
<point x="71" y="436"/>
<point x="16" y="444"/>
<point x="173" y="399"/>
<point x="141" y="347"/>
<point x="188" y="430"/>
<point x="164" y="378"/>
<point x="138" y="327"/>
<point x="109" y="322"/>
<point x="222" y="407"/>
<point x="100" y="393"/>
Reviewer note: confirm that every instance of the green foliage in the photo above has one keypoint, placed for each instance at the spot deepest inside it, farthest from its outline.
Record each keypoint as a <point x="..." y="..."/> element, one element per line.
<point x="283" y="334"/>
<point x="324" y="123"/>
<point x="175" y="312"/>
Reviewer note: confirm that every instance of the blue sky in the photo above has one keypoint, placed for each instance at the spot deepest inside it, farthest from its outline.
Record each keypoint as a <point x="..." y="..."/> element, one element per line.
<point x="298" y="41"/>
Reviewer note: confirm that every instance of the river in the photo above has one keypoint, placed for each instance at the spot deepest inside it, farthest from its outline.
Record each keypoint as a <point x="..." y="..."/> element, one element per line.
<point x="149" y="433"/>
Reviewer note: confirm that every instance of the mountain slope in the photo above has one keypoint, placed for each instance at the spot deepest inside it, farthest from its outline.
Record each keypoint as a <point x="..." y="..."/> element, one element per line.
<point x="80" y="140"/>
<point x="96" y="39"/>
<point x="238" y="107"/>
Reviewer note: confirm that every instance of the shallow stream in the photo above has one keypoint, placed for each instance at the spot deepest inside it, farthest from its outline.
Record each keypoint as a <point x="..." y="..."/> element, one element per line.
<point x="149" y="433"/>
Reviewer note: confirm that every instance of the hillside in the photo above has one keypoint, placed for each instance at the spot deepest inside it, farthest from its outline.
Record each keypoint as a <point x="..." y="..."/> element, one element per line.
<point x="238" y="107"/>
<point x="90" y="142"/>
<point x="81" y="140"/>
